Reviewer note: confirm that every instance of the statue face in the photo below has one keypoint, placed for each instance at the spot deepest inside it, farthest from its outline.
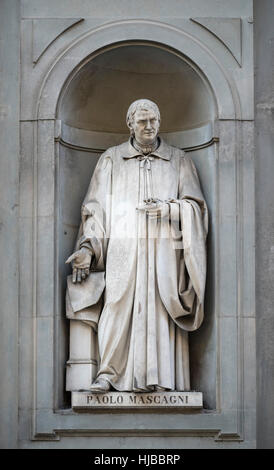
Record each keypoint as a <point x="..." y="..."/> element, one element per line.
<point x="145" y="126"/>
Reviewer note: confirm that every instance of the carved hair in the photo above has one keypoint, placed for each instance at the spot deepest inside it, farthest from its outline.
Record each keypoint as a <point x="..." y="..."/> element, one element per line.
<point x="143" y="104"/>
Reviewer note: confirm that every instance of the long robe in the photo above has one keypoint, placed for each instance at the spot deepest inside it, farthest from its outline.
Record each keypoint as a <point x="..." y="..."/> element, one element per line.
<point x="148" y="291"/>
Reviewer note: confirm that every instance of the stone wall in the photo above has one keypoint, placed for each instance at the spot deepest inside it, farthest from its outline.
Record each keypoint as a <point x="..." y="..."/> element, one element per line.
<point x="56" y="40"/>
<point x="264" y="144"/>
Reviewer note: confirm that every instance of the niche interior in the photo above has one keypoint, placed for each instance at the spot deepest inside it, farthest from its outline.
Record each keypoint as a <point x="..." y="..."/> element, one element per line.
<point x="91" y="115"/>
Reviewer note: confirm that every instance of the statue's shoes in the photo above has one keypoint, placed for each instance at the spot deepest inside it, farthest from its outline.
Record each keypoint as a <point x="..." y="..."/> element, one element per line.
<point x="100" y="386"/>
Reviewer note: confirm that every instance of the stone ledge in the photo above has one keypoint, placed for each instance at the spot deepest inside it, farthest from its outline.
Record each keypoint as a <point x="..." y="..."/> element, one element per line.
<point x="88" y="400"/>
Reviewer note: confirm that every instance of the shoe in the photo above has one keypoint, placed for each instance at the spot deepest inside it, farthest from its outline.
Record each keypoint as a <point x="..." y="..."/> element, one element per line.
<point x="100" y="386"/>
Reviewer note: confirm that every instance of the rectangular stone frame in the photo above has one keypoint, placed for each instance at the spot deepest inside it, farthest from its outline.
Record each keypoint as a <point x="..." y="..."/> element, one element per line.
<point x="234" y="417"/>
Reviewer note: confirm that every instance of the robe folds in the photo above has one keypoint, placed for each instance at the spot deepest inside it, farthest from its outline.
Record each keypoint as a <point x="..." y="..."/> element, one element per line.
<point x="146" y="291"/>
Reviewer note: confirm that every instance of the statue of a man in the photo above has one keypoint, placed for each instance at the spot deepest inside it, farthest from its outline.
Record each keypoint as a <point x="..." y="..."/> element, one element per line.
<point x="144" y="228"/>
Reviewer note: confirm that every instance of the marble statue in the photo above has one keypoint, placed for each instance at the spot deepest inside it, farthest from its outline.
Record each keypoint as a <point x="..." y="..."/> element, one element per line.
<point x="139" y="268"/>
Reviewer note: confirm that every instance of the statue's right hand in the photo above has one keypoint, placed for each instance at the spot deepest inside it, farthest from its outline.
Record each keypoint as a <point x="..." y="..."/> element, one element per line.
<point x="80" y="260"/>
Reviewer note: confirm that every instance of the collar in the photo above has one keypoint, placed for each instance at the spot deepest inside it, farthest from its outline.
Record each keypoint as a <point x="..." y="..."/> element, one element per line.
<point x="163" y="151"/>
<point x="146" y="150"/>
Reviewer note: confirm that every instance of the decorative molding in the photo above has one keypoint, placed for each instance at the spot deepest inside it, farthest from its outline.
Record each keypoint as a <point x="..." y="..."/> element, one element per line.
<point x="228" y="31"/>
<point x="47" y="436"/>
<point x="96" y="150"/>
<point x="228" y="437"/>
<point x="84" y="138"/>
<point x="216" y="434"/>
<point x="46" y="31"/>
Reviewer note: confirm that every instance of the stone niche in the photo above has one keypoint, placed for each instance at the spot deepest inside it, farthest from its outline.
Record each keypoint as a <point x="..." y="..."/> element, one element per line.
<point x="74" y="100"/>
<point x="91" y="116"/>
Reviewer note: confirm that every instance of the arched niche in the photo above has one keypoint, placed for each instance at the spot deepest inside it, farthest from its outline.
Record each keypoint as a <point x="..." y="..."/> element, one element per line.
<point x="98" y="97"/>
<point x="91" y="112"/>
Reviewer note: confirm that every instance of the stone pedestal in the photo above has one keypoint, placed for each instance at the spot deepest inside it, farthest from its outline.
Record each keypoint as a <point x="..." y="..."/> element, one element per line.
<point x="82" y="365"/>
<point x="87" y="400"/>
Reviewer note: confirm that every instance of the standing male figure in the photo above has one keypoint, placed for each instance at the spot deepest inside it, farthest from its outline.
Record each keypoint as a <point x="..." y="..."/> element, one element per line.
<point x="144" y="222"/>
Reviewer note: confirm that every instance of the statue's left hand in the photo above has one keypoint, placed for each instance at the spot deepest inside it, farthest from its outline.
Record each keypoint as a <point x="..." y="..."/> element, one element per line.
<point x="80" y="260"/>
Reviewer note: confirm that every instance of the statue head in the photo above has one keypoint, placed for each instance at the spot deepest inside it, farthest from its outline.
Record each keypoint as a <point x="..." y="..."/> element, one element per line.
<point x="143" y="120"/>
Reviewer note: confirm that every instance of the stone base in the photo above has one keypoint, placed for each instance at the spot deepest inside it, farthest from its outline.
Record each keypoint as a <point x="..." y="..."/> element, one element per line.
<point x="80" y="374"/>
<point x="117" y="400"/>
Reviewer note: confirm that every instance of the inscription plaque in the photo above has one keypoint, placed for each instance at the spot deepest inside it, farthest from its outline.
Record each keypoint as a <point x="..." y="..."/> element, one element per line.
<point x="86" y="400"/>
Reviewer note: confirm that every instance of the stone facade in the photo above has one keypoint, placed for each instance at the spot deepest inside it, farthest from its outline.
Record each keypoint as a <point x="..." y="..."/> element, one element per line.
<point x="59" y="61"/>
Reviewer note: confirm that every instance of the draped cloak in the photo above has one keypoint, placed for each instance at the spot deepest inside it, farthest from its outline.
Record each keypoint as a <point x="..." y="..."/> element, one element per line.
<point x="146" y="291"/>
